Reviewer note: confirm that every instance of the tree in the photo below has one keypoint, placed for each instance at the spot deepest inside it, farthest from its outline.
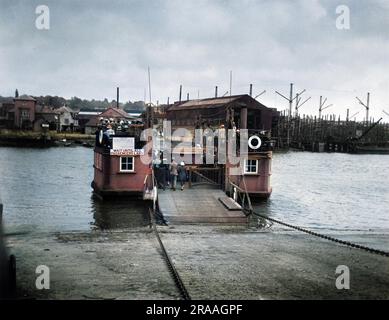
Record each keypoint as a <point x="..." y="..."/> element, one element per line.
<point x="16" y="93"/>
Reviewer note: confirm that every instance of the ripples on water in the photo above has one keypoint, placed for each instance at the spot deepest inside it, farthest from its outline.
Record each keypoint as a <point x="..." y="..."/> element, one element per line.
<point x="334" y="192"/>
<point x="49" y="189"/>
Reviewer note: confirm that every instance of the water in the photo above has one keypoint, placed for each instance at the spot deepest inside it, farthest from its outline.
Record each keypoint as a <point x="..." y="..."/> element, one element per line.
<point x="331" y="192"/>
<point x="49" y="189"/>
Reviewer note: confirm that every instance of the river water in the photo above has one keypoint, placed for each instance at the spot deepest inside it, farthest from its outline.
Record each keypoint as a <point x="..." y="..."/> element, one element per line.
<point x="332" y="192"/>
<point x="49" y="190"/>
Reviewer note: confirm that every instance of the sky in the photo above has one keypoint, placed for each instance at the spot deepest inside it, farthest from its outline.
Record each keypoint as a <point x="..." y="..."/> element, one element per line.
<point x="91" y="47"/>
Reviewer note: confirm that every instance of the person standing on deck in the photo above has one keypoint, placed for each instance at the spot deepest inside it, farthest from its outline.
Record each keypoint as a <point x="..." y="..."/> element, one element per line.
<point x="174" y="174"/>
<point x="164" y="174"/>
<point x="166" y="171"/>
<point x="182" y="174"/>
<point x="159" y="172"/>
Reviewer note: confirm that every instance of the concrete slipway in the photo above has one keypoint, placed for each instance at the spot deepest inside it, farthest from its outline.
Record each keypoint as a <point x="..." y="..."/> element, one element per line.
<point x="214" y="261"/>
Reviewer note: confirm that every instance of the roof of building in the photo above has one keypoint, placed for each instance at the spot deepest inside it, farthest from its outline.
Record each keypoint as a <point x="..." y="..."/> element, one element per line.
<point x="115" y="113"/>
<point x="87" y="116"/>
<point x="66" y="109"/>
<point x="135" y="114"/>
<point x="109" y="113"/>
<point x="25" y="97"/>
<point x="213" y="103"/>
<point x="46" y="110"/>
<point x="49" y="117"/>
<point x="90" y="112"/>
<point x="46" y="113"/>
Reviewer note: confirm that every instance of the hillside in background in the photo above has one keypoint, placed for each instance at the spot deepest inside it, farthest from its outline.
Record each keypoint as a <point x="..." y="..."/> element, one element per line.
<point x="83" y="104"/>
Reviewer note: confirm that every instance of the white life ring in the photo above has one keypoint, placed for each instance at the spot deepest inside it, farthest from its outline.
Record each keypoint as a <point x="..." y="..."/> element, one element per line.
<point x="259" y="143"/>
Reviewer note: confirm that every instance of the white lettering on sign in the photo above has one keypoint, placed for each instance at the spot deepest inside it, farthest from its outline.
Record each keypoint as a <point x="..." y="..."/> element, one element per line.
<point x="123" y="143"/>
<point x="122" y="152"/>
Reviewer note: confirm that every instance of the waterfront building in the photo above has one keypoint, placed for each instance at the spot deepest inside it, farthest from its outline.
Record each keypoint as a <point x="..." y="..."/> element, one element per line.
<point x="24" y="113"/>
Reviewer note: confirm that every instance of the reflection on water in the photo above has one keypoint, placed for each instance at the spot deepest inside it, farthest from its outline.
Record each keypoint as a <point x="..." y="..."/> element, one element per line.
<point x="120" y="213"/>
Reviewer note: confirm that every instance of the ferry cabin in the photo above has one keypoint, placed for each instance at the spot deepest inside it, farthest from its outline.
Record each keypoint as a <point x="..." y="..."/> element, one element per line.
<point x="118" y="167"/>
<point x="234" y="112"/>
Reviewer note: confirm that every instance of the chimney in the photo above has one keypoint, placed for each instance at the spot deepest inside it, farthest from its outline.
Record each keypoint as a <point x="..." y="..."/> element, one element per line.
<point x="117" y="97"/>
<point x="180" y="93"/>
<point x="216" y="92"/>
<point x="251" y="90"/>
<point x="243" y="118"/>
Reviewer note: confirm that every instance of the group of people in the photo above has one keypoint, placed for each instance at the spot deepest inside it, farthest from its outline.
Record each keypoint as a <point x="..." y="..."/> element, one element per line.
<point x="168" y="175"/>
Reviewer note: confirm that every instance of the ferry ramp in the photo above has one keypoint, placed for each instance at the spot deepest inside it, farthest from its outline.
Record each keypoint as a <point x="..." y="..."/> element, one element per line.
<point x="200" y="206"/>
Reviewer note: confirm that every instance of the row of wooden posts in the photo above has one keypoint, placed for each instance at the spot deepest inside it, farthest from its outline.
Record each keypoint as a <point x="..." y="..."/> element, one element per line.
<point x="300" y="131"/>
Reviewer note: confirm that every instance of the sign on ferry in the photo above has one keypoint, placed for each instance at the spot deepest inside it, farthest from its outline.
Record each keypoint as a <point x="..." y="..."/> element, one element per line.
<point x="125" y="147"/>
<point x="123" y="143"/>
<point x="136" y="152"/>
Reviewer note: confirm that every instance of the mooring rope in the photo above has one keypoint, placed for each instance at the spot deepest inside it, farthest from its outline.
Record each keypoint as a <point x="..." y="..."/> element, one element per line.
<point x="346" y="243"/>
<point x="319" y="235"/>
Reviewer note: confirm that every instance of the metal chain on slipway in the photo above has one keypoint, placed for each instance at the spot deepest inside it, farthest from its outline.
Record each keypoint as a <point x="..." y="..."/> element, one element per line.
<point x="346" y="243"/>
<point x="173" y="271"/>
<point x="315" y="234"/>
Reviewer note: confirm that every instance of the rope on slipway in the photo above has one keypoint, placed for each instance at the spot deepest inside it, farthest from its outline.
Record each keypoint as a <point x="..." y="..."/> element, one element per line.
<point x="346" y="243"/>
<point x="315" y="234"/>
<point x="173" y="271"/>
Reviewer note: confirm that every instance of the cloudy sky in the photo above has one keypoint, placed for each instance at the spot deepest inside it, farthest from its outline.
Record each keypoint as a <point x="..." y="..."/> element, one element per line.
<point x="94" y="46"/>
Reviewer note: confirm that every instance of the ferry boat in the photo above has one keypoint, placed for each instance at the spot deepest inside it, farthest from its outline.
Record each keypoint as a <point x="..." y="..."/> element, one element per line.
<point x="118" y="168"/>
<point x="124" y="165"/>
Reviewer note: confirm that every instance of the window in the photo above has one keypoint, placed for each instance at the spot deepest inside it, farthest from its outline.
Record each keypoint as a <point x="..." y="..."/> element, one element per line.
<point x="25" y="114"/>
<point x="126" y="164"/>
<point x="251" y="167"/>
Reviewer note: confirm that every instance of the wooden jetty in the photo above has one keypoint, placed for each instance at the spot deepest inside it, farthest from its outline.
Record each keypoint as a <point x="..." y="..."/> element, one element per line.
<point x="208" y="206"/>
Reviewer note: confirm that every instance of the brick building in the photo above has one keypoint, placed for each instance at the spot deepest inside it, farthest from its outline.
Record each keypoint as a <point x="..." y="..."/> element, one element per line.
<point x="24" y="112"/>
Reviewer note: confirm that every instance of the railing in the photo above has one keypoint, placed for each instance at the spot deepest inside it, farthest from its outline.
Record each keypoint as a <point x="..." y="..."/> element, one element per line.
<point x="206" y="176"/>
<point x="150" y="187"/>
<point x="240" y="194"/>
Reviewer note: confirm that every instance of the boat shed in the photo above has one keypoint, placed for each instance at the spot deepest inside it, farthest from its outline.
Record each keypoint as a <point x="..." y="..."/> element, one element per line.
<point x="240" y="111"/>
